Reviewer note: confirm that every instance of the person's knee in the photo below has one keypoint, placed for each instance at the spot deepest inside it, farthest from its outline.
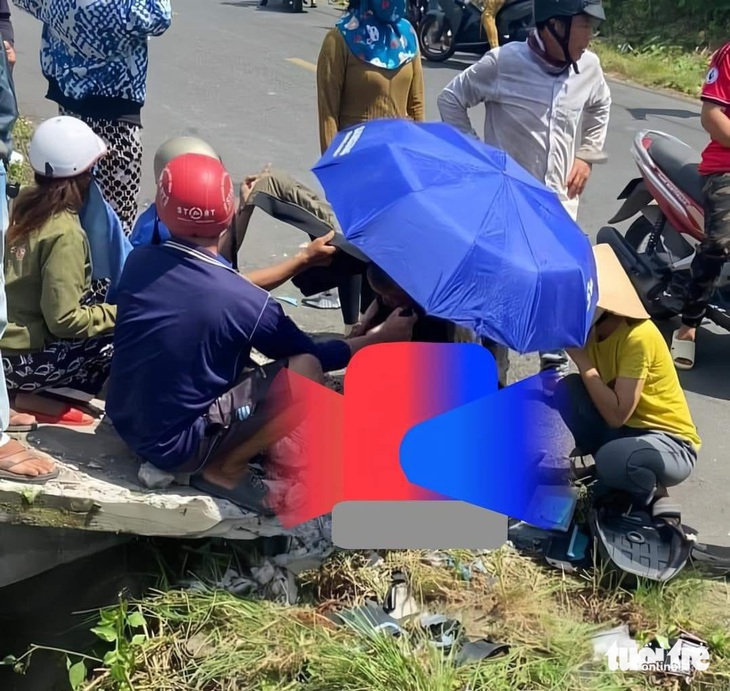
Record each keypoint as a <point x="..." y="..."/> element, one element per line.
<point x="624" y="464"/>
<point x="611" y="466"/>
<point x="308" y="366"/>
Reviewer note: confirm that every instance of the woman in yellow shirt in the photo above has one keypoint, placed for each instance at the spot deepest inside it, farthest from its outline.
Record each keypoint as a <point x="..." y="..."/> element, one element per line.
<point x="626" y="408"/>
<point x="369" y="67"/>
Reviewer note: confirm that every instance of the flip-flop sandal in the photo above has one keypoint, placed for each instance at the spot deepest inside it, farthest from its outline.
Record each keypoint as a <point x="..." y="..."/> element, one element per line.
<point x="72" y="417"/>
<point x="325" y="301"/>
<point x="665" y="509"/>
<point x="368" y="618"/>
<point x="399" y="602"/>
<point x="683" y="350"/>
<point x="442" y="631"/>
<point x="245" y="495"/>
<point x="7" y="474"/>
<point x="17" y="429"/>
<point x="475" y="651"/>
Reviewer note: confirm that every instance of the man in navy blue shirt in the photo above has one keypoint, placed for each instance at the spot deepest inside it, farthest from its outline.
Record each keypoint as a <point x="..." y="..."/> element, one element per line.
<point x="184" y="393"/>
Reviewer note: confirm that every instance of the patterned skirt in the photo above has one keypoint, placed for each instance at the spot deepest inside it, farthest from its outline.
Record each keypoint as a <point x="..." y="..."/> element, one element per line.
<point x="119" y="173"/>
<point x="81" y="364"/>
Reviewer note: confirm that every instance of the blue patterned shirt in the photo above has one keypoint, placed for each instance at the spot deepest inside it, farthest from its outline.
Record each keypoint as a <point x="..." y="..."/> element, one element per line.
<point x="98" y="48"/>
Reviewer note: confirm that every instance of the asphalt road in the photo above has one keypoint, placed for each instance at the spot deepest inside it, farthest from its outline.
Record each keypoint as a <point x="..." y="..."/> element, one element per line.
<point x="243" y="78"/>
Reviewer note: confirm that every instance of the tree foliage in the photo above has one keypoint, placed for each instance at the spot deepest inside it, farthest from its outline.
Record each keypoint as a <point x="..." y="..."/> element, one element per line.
<point x="688" y="23"/>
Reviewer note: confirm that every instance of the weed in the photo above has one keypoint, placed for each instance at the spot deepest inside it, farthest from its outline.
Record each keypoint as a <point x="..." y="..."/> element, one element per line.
<point x="656" y="64"/>
<point x="22" y="134"/>
<point x="209" y="640"/>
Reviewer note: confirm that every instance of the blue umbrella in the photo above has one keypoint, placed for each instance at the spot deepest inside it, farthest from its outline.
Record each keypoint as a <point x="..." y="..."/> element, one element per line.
<point x="470" y="235"/>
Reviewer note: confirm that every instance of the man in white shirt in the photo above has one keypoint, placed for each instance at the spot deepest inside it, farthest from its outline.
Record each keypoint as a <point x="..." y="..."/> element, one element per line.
<point x="547" y="105"/>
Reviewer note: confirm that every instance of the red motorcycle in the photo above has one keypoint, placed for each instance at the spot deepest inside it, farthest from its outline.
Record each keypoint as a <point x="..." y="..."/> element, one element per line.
<point x="658" y="247"/>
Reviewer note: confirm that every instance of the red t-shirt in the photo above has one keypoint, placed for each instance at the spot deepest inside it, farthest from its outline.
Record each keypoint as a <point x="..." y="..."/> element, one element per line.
<point x="716" y="157"/>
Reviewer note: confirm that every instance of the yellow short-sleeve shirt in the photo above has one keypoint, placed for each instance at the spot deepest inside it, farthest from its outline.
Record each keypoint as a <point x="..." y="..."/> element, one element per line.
<point x="639" y="351"/>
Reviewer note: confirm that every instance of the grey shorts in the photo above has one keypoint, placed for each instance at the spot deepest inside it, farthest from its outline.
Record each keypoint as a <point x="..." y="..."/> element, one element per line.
<point x="237" y="415"/>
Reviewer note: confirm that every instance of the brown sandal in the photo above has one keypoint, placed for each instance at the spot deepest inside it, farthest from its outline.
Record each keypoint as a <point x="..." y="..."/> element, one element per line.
<point x="15" y="458"/>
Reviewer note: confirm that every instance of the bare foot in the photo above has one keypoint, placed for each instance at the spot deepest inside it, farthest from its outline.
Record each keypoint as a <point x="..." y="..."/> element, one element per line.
<point x="216" y="476"/>
<point x="685" y="333"/>
<point x="21" y="419"/>
<point x="661" y="493"/>
<point x="18" y="460"/>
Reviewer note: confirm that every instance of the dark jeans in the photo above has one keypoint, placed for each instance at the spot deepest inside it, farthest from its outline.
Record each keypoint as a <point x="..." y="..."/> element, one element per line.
<point x="627" y="459"/>
<point x="712" y="252"/>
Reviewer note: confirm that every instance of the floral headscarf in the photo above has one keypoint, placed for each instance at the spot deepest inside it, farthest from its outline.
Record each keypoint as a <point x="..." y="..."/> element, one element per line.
<point x="378" y="32"/>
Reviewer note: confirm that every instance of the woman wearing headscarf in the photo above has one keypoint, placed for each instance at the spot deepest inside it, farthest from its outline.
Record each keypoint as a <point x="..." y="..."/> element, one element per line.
<point x="369" y="67"/>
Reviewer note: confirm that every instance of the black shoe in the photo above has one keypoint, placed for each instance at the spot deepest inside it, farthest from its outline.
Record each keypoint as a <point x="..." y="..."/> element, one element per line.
<point x="250" y="494"/>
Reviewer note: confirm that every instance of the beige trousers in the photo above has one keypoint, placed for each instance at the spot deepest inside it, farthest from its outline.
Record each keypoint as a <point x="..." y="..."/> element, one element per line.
<point x="489" y="14"/>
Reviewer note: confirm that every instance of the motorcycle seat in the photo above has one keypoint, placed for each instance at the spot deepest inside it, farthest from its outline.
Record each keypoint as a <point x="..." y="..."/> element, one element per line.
<point x="679" y="163"/>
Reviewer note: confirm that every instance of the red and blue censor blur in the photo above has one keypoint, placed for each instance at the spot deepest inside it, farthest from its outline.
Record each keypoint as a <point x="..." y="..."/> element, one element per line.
<point x="419" y="421"/>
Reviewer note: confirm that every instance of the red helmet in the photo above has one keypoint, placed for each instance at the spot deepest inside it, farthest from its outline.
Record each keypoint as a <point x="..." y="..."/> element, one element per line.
<point x="195" y="196"/>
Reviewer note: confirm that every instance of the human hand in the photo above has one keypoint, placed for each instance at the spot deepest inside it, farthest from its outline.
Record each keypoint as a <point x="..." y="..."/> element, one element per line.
<point x="578" y="178"/>
<point x="318" y="252"/>
<point x="9" y="52"/>
<point x="364" y="325"/>
<point x="250" y="182"/>
<point x="397" y="327"/>
<point x="581" y="358"/>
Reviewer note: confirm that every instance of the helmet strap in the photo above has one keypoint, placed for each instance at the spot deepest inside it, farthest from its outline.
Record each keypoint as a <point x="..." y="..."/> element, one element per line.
<point x="564" y="41"/>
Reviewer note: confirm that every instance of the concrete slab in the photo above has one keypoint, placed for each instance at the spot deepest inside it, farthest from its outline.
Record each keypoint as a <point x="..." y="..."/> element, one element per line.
<point x="99" y="490"/>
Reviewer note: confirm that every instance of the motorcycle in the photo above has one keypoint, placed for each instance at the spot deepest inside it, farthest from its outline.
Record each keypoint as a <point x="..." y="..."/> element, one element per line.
<point x="417" y="10"/>
<point x="440" y="36"/>
<point x="658" y="248"/>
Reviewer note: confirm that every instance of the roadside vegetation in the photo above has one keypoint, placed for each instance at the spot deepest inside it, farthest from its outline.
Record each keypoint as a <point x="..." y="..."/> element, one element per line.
<point x="22" y="133"/>
<point x="663" y="43"/>
<point x="204" y="639"/>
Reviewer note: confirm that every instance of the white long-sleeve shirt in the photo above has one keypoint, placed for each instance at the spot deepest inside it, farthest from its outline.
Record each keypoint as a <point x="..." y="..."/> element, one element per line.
<point x="532" y="113"/>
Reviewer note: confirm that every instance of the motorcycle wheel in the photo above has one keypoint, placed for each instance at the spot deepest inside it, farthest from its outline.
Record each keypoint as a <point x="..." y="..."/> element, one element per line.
<point x="430" y="26"/>
<point x="638" y="234"/>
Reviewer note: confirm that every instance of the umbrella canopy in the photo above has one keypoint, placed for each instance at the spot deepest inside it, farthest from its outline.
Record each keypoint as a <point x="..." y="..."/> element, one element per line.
<point x="464" y="230"/>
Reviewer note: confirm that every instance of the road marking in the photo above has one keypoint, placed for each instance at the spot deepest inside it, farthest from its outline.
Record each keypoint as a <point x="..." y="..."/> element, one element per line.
<point x="303" y="63"/>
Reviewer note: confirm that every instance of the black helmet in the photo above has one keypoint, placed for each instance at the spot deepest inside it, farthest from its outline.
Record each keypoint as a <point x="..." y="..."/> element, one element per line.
<point x="547" y="9"/>
<point x="565" y="10"/>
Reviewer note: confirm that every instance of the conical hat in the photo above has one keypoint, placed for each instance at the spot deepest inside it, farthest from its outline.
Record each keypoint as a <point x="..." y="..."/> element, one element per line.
<point x="616" y="293"/>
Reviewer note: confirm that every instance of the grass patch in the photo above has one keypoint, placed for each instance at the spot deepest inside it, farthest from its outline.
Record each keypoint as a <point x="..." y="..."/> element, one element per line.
<point x="655" y="65"/>
<point x="22" y="134"/>
<point x="213" y="641"/>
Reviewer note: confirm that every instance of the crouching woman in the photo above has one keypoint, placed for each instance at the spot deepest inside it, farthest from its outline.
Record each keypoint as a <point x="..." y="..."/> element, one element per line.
<point x="626" y="408"/>
<point x="59" y="330"/>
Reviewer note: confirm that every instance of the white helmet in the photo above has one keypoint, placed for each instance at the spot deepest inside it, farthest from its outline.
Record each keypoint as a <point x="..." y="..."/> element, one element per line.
<point x="64" y="147"/>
